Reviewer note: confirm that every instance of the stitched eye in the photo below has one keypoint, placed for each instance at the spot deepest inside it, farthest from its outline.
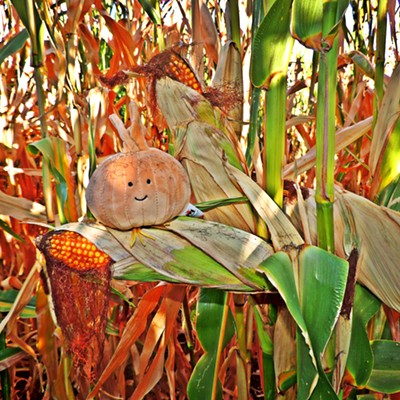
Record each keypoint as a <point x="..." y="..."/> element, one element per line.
<point x="130" y="184"/>
<point x="148" y="181"/>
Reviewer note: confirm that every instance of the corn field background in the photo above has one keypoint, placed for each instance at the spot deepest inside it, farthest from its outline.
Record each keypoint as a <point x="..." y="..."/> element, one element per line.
<point x="285" y="115"/>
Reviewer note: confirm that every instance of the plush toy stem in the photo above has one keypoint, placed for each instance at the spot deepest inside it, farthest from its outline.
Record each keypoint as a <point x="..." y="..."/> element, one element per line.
<point x="133" y="138"/>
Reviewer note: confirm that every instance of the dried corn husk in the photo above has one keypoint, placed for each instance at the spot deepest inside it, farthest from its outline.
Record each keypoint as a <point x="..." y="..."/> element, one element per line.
<point x="209" y="33"/>
<point x="202" y="143"/>
<point x="187" y="250"/>
<point x="374" y="230"/>
<point x="228" y="80"/>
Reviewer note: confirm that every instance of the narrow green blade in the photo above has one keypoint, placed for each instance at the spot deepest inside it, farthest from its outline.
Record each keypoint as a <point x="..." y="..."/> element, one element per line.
<point x="214" y="328"/>
<point x="13" y="45"/>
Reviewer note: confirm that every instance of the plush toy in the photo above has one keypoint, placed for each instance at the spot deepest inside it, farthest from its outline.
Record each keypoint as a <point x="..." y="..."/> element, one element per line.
<point x="141" y="186"/>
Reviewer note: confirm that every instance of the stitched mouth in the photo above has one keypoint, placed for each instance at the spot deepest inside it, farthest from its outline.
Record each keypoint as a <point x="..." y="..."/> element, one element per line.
<point x="141" y="199"/>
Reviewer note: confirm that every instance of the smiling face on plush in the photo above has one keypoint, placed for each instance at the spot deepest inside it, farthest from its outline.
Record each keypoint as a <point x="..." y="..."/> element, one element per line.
<point x="135" y="189"/>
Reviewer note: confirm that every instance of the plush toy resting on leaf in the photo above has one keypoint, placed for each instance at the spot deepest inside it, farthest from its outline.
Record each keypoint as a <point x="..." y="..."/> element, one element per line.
<point x="141" y="186"/>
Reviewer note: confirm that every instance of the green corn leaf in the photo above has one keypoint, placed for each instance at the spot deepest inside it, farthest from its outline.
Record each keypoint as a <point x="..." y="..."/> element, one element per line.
<point x="13" y="45"/>
<point x="307" y="22"/>
<point x="31" y="19"/>
<point x="307" y="25"/>
<point x="279" y="271"/>
<point x="360" y="359"/>
<point x="211" y="204"/>
<point x="322" y="285"/>
<point x="322" y="281"/>
<point x="272" y="45"/>
<point x="270" y="59"/>
<point x="362" y="62"/>
<point x="267" y="357"/>
<point x="385" y="375"/>
<point x="53" y="149"/>
<point x="151" y="11"/>
<point x="215" y="328"/>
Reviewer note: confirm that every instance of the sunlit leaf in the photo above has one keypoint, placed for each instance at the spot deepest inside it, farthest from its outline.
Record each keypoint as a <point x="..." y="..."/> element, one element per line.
<point x="357" y="221"/>
<point x="272" y="44"/>
<point x="390" y="195"/>
<point x="383" y="157"/>
<point x="344" y="137"/>
<point x="282" y="231"/>
<point x="22" y="209"/>
<point x="163" y="323"/>
<point x="307" y="25"/>
<point x="186" y="250"/>
<point x="134" y="328"/>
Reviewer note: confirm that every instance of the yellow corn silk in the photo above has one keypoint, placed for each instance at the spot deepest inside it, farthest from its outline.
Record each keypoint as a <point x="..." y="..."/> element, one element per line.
<point x="79" y="277"/>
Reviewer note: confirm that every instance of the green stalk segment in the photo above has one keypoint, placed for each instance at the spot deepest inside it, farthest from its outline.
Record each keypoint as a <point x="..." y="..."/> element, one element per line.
<point x="325" y="162"/>
<point x="29" y="16"/>
<point x="4" y="375"/>
<point x="235" y="22"/>
<point x="275" y="126"/>
<point x="269" y="64"/>
<point x="380" y="48"/>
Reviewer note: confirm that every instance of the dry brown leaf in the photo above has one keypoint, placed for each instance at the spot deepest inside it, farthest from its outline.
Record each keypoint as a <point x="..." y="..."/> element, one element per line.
<point x="209" y="33"/>
<point x="163" y="323"/>
<point x="134" y="328"/>
<point x="344" y="137"/>
<point x="22" y="209"/>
